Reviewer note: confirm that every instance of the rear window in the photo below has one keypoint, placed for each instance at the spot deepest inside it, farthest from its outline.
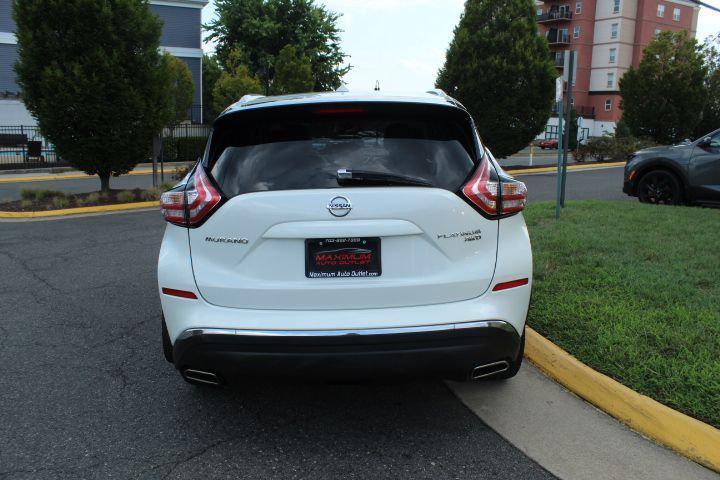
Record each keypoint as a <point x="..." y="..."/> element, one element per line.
<point x="290" y="148"/>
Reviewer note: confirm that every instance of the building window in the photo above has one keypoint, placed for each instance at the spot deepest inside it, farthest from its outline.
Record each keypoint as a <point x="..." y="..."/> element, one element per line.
<point x="539" y="12"/>
<point x="578" y="8"/>
<point x="608" y="104"/>
<point x="661" y="10"/>
<point x="614" y="30"/>
<point x="610" y="80"/>
<point x="576" y="31"/>
<point x="657" y="32"/>
<point x="616" y="6"/>
<point x="613" y="55"/>
<point x="563" y="35"/>
<point x="676" y="14"/>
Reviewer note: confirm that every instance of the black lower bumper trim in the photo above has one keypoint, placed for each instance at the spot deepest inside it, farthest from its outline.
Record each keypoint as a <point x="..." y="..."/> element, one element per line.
<point x="451" y="353"/>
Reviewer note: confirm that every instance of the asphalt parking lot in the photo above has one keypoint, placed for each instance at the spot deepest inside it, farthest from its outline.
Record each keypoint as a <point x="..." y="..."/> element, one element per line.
<point x="87" y="394"/>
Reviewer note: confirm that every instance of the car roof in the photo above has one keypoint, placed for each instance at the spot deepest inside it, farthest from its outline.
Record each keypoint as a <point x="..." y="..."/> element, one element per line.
<point x="252" y="102"/>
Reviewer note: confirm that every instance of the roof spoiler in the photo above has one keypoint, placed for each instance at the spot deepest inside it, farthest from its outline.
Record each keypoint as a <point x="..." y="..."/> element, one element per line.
<point x="249" y="97"/>
<point x="441" y="93"/>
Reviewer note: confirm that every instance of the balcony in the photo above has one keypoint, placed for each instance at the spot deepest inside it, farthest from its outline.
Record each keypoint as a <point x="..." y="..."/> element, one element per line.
<point x="555" y="16"/>
<point x="558" y="39"/>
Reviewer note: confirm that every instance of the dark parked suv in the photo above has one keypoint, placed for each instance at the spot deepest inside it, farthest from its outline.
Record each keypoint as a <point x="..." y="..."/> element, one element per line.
<point x="686" y="173"/>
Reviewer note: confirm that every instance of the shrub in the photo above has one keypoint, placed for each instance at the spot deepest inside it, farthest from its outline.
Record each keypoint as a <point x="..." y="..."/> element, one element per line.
<point x="180" y="172"/>
<point x="183" y="149"/>
<point x="126" y="196"/>
<point x="27" y="194"/>
<point x="93" y="198"/>
<point x="60" y="202"/>
<point x="151" y="194"/>
<point x="610" y="148"/>
<point x="26" y="204"/>
<point x="39" y="194"/>
<point x="166" y="186"/>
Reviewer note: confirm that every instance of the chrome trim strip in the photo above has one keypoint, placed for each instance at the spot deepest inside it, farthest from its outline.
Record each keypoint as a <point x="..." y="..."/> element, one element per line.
<point x="342" y="333"/>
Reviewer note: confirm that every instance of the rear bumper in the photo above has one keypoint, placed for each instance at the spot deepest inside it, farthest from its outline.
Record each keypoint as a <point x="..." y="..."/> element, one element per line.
<point x="441" y="351"/>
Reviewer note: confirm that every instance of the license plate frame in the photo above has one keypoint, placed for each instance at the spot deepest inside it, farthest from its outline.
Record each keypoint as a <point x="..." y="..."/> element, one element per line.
<point x="347" y="257"/>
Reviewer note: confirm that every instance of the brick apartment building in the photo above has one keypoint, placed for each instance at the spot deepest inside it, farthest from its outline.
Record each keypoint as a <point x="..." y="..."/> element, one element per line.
<point x="609" y="37"/>
<point x="181" y="36"/>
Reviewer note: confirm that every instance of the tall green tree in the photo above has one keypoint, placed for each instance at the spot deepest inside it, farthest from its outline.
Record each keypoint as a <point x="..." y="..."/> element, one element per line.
<point x="500" y="69"/>
<point x="711" y="113"/>
<point x="181" y="88"/>
<point x="235" y="82"/>
<point x="91" y="74"/>
<point x="293" y="72"/>
<point x="261" y="28"/>
<point x="664" y="97"/>
<point x="211" y="72"/>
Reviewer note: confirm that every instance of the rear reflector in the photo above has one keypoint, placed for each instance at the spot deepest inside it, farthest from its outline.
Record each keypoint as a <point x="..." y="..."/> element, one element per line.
<point x="512" y="284"/>
<point x="179" y="293"/>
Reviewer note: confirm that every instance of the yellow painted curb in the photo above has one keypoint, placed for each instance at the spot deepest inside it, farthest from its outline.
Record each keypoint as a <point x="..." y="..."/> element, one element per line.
<point x="65" y="176"/>
<point x="75" y="211"/>
<point x="689" y="437"/>
<point x="570" y="168"/>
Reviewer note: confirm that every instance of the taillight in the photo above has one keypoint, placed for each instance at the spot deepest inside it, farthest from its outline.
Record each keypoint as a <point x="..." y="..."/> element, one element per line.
<point x="192" y="205"/>
<point x="493" y="195"/>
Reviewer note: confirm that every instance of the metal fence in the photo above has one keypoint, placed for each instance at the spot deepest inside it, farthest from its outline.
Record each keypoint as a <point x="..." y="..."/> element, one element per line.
<point x="184" y="142"/>
<point x="25" y="147"/>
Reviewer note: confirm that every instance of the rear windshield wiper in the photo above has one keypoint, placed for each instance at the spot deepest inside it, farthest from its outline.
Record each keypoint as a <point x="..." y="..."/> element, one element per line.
<point x="350" y="177"/>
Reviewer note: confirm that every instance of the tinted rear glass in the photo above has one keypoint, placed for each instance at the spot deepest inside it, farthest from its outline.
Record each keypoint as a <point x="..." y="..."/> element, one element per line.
<point x="282" y="148"/>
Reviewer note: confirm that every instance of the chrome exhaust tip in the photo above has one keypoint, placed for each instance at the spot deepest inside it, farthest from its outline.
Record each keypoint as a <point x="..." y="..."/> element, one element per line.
<point x="490" y="369"/>
<point x="200" y="376"/>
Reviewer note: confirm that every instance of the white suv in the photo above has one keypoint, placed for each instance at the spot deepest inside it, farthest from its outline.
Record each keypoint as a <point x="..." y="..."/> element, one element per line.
<point x="343" y="236"/>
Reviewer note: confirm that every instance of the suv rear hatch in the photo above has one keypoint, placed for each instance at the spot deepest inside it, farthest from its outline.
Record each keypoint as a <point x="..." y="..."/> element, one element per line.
<point x="292" y="234"/>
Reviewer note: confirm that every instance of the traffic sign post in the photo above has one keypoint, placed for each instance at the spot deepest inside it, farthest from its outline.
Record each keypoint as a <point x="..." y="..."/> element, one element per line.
<point x="570" y="55"/>
<point x="558" y="101"/>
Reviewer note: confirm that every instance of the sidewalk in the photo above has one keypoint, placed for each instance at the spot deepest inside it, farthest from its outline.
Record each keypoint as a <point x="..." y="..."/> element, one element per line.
<point x="569" y="437"/>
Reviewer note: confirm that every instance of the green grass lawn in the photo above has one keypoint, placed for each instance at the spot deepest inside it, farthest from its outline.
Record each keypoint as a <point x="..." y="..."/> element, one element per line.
<point x="633" y="291"/>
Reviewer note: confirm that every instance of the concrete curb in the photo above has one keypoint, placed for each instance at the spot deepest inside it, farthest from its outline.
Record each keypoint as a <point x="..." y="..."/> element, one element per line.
<point x="685" y="435"/>
<point x="78" y="211"/>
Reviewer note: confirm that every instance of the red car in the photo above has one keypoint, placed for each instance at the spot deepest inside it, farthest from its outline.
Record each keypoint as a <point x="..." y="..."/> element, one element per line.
<point x="551" y="144"/>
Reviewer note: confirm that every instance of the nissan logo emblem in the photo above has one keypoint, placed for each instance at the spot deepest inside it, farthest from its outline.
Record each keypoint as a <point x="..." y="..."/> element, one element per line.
<point x="339" y="206"/>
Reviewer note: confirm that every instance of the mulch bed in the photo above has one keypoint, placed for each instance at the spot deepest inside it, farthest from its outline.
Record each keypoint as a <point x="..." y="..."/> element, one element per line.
<point x="75" y="201"/>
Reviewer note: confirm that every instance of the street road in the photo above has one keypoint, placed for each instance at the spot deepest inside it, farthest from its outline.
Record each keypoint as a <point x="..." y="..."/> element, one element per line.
<point x="86" y="392"/>
<point x="601" y="184"/>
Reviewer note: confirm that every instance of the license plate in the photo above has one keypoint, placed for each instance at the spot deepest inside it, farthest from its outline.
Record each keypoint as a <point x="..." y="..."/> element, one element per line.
<point x="342" y="257"/>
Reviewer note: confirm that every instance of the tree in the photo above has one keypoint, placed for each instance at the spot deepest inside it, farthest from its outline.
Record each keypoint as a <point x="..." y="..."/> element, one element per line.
<point x="211" y="72"/>
<point x="99" y="102"/>
<point x="181" y="88"/>
<point x="233" y="83"/>
<point x="261" y="28"/>
<point x="664" y="96"/>
<point x="500" y="69"/>
<point x="711" y="113"/>
<point x="293" y="72"/>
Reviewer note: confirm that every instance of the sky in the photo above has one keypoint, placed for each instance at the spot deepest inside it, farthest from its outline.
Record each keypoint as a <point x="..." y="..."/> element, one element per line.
<point x="402" y="43"/>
